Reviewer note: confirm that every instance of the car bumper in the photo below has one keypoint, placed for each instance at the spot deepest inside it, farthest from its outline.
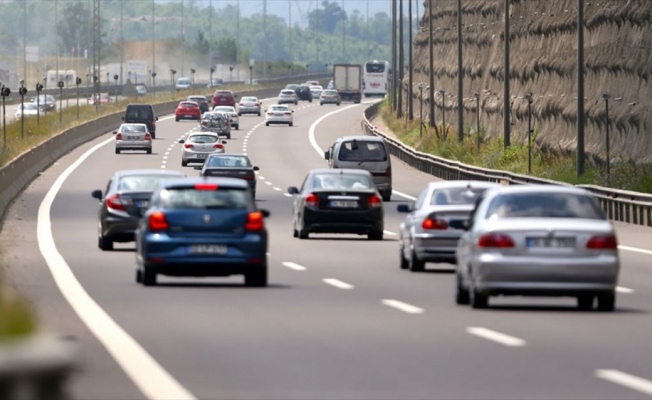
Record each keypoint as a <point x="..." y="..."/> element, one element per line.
<point x="120" y="229"/>
<point x="330" y="101"/>
<point x="278" y="120"/>
<point x="187" y="116"/>
<point x="496" y="274"/>
<point x="435" y="248"/>
<point x="140" y="145"/>
<point x="328" y="221"/>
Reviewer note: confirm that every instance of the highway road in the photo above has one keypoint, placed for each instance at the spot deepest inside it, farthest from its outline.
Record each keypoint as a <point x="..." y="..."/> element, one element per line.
<point x="339" y="320"/>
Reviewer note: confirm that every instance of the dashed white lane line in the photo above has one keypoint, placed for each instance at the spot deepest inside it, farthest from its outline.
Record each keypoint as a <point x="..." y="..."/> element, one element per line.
<point x="621" y="289"/>
<point x="294" y="266"/>
<point x="147" y="374"/>
<point x="625" y="379"/>
<point x="277" y="189"/>
<point x="287" y="195"/>
<point x="268" y="183"/>
<point x="338" y="284"/>
<point x="405" y="307"/>
<point x="636" y="250"/>
<point x="497" y="337"/>
<point x="390" y="233"/>
<point x="407" y="196"/>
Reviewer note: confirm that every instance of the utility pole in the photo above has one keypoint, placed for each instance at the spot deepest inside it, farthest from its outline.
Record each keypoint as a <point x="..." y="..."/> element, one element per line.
<point x="210" y="38"/>
<point x="580" y="88"/>
<point x="394" y="58"/>
<point x="183" y="42"/>
<point x="122" y="47"/>
<point x="431" y="64"/>
<point x="409" y="94"/>
<point x="506" y="94"/>
<point x="97" y="44"/>
<point x="460" y="76"/>
<point x="401" y="56"/>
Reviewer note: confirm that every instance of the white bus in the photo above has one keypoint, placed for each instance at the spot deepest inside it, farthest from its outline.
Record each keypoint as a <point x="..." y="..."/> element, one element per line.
<point x="375" y="78"/>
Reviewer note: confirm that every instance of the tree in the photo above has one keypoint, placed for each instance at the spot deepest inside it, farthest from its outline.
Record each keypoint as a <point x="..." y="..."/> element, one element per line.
<point x="73" y="27"/>
<point x="326" y="18"/>
<point x="226" y="49"/>
<point x="201" y="43"/>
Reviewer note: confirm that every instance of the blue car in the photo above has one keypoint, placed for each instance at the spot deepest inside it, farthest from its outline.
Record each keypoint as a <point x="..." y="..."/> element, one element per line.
<point x="202" y="227"/>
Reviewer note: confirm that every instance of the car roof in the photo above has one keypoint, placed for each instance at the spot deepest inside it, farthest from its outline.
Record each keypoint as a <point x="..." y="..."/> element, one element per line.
<point x="540" y="188"/>
<point x="339" y="171"/>
<point x="139" y="105"/>
<point x="134" y="172"/>
<point x="462" y="184"/>
<point x="229" y="182"/>
<point x="202" y="133"/>
<point x="133" y="123"/>
<point x="367" y="138"/>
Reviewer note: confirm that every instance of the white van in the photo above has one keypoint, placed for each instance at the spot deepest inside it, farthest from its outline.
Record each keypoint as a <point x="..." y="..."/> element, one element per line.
<point x="364" y="152"/>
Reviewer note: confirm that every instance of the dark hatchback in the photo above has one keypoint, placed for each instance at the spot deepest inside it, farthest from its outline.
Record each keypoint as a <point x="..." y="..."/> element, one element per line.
<point x="141" y="114"/>
<point x="303" y="93"/>
<point x="202" y="227"/>
<point x="231" y="166"/>
<point x="123" y="202"/>
<point x="201" y="100"/>
<point x="338" y="201"/>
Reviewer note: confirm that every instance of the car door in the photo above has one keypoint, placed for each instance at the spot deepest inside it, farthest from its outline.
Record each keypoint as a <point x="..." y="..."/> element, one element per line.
<point x="298" y="203"/>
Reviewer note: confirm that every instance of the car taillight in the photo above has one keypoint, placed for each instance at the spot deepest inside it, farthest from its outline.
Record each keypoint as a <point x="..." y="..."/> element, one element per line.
<point x="497" y="240"/>
<point x="434" y="223"/>
<point x="257" y="104"/>
<point x="374" y="201"/>
<point x="287" y="113"/>
<point x="255" y="222"/>
<point x="157" y="221"/>
<point x="312" y="200"/>
<point x="114" y="202"/>
<point x="270" y="113"/>
<point x="602" y="243"/>
<point x="188" y="145"/>
<point x="148" y="136"/>
<point x="241" y="104"/>
<point x="219" y="146"/>
<point x="118" y="136"/>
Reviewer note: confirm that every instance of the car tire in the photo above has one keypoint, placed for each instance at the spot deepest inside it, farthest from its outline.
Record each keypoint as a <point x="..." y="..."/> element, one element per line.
<point x="105" y="243"/>
<point x="295" y="233"/>
<point x="585" y="302"/>
<point x="139" y="276"/>
<point x="239" y="114"/>
<point x="303" y="233"/>
<point x="237" y="127"/>
<point x="607" y="302"/>
<point x="404" y="263"/>
<point x="148" y="277"/>
<point x="416" y="265"/>
<point x="228" y="136"/>
<point x="259" y="114"/>
<point x="321" y="104"/>
<point x="375" y="235"/>
<point x="266" y="123"/>
<point x="117" y="151"/>
<point x="338" y="104"/>
<point x="153" y="135"/>
<point x="256" y="278"/>
<point x="290" y="123"/>
<point x="149" y="151"/>
<point x="184" y="163"/>
<point x="477" y="299"/>
<point x="386" y="197"/>
<point x="461" y="294"/>
<point x="176" y="119"/>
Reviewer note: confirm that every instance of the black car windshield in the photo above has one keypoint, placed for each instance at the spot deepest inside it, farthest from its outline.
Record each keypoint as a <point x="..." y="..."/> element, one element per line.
<point x="190" y="198"/>
<point x="544" y="205"/>
<point x="228" y="161"/>
<point x="342" y="181"/>
<point x="453" y="196"/>
<point x="145" y="183"/>
<point x="361" y="150"/>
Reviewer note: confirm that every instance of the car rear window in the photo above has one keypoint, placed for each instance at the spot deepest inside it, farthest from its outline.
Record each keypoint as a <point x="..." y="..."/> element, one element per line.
<point x="139" y="113"/>
<point x="452" y="196"/>
<point x="145" y="183"/>
<point x="287" y="92"/>
<point x="203" y="139"/>
<point x="229" y="161"/>
<point x="188" y="105"/>
<point x="544" y="205"/>
<point x="134" y="128"/>
<point x="342" y="181"/>
<point x="198" y="99"/>
<point x="361" y="150"/>
<point x="279" y="108"/>
<point x="191" y="198"/>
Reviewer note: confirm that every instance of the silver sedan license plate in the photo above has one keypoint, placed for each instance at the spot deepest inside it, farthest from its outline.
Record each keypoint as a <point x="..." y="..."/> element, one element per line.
<point x="566" y="242"/>
<point x="207" y="249"/>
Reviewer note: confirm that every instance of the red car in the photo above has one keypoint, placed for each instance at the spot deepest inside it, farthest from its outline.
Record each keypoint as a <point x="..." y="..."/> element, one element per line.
<point x="187" y="110"/>
<point x="223" y="98"/>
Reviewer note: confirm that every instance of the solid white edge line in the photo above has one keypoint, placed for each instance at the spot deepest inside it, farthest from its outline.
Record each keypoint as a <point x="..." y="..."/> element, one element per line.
<point x="494" y="336"/>
<point x="405" y="307"/>
<point x="635" y="250"/>
<point x="407" y="196"/>
<point x="147" y="374"/>
<point x="625" y="379"/>
<point x="294" y="266"/>
<point x="390" y="233"/>
<point x="622" y="289"/>
<point x="287" y="195"/>
<point x="311" y="131"/>
<point x="338" y="284"/>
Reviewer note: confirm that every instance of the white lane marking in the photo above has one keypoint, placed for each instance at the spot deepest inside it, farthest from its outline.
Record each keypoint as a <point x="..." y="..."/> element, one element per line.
<point x="405" y="307"/>
<point x="621" y="289"/>
<point x="497" y="337"/>
<point x="625" y="379"/>
<point x="262" y="178"/>
<point x="294" y="266"/>
<point x="635" y="250"/>
<point x="311" y="131"/>
<point x="390" y="233"/>
<point x="148" y="375"/>
<point x="287" y="195"/>
<point x="277" y="189"/>
<point x="268" y="183"/>
<point x="163" y="167"/>
<point x="338" y="284"/>
<point x="164" y="162"/>
<point x="407" y="196"/>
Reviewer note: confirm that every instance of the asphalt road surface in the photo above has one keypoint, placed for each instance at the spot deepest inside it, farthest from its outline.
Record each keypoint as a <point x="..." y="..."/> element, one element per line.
<point x="339" y="320"/>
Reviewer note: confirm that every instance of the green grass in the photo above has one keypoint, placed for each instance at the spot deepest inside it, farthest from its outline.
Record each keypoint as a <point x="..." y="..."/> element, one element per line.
<point x="548" y="163"/>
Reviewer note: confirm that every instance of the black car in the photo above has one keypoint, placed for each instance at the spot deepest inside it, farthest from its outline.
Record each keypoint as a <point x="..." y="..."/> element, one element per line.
<point x="231" y="166"/>
<point x="338" y="201"/>
<point x="141" y="114"/>
<point x="124" y="201"/>
<point x="201" y="100"/>
<point x="303" y="93"/>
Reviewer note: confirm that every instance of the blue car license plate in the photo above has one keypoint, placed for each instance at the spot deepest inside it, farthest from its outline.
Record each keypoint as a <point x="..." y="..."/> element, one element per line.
<point x="207" y="249"/>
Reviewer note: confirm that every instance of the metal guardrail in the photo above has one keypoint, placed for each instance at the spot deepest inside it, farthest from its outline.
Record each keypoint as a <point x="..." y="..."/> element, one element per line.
<point x="618" y="205"/>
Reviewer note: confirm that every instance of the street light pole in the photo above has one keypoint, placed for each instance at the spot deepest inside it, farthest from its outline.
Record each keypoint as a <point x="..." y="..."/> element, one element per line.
<point x="22" y="91"/>
<point x="506" y="95"/>
<point x="172" y="72"/>
<point x="442" y="92"/>
<point x="77" y="82"/>
<point x="115" y="78"/>
<point x="421" y="110"/>
<point x="431" y="64"/>
<point x="477" y="118"/>
<point x="4" y="91"/>
<point x="528" y="97"/>
<point x="605" y="96"/>
<point x="61" y="101"/>
<point x="460" y="76"/>
<point x="580" y="88"/>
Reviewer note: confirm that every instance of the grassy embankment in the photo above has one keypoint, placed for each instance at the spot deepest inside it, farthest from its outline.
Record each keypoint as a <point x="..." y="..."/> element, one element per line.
<point x="546" y="163"/>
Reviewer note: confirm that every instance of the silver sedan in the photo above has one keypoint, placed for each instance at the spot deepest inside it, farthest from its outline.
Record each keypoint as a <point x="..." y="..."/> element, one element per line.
<point x="133" y="137"/>
<point x="538" y="240"/>
<point x="433" y="223"/>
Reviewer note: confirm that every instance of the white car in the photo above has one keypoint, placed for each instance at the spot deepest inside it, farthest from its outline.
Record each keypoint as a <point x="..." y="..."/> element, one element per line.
<point x="278" y="114"/>
<point x="249" y="105"/>
<point x="288" y="96"/>
<point x="199" y="145"/>
<point x="230" y="111"/>
<point x="183" y="84"/>
<point x="30" y="110"/>
<point x="133" y="137"/>
<point x="316" y="91"/>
